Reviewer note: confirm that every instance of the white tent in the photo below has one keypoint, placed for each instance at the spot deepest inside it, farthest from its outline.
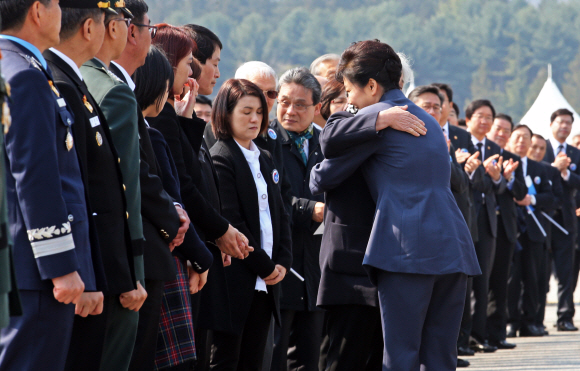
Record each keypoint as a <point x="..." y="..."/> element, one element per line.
<point x="549" y="100"/>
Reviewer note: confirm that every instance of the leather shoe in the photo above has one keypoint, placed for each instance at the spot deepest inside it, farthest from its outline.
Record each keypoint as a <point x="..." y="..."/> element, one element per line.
<point x="530" y="330"/>
<point x="481" y="346"/>
<point x="502" y="344"/>
<point x="511" y="331"/>
<point x="567" y="326"/>
<point x="462" y="363"/>
<point x="463" y="351"/>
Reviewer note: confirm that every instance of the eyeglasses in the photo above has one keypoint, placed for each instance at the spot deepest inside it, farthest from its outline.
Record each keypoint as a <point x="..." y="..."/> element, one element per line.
<point x="299" y="107"/>
<point x="126" y="20"/>
<point x="428" y="107"/>
<point x="483" y="117"/>
<point x="153" y="29"/>
<point x="272" y="94"/>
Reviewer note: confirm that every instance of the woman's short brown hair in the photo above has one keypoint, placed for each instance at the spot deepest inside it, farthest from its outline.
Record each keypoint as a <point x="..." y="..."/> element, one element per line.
<point x="332" y="89"/>
<point x="176" y="44"/>
<point x="226" y="100"/>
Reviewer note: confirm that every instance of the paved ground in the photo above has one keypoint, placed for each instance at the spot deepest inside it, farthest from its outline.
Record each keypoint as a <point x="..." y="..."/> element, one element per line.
<point x="558" y="351"/>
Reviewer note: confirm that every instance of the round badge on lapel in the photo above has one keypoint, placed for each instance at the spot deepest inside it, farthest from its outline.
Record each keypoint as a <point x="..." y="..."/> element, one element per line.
<point x="272" y="134"/>
<point x="537" y="180"/>
<point x="464" y="150"/>
<point x="99" y="139"/>
<point x="573" y="166"/>
<point x="275" y="176"/>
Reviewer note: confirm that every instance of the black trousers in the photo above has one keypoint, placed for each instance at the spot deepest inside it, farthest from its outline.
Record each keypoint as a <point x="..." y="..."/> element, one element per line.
<point x="143" y="358"/>
<point x="485" y="250"/>
<point x="498" y="285"/>
<point x="111" y="340"/>
<point x="352" y="339"/>
<point x="543" y="285"/>
<point x="524" y="288"/>
<point x="465" y="327"/>
<point x="563" y="258"/>
<point x="297" y="341"/>
<point x="244" y="352"/>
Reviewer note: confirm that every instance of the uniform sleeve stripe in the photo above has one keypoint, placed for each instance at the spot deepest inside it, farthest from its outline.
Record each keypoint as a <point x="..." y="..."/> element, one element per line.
<point x="53" y="246"/>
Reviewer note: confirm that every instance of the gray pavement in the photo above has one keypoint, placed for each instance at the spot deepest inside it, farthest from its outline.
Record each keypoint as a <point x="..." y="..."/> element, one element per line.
<point x="557" y="351"/>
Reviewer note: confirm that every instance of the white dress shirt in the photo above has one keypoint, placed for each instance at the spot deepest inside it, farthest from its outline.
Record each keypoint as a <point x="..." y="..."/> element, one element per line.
<point x="126" y="75"/>
<point x="68" y="61"/>
<point x="266" y="232"/>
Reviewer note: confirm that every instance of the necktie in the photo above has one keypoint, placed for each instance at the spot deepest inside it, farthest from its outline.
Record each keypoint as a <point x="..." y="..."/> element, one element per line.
<point x="479" y="148"/>
<point x="560" y="149"/>
<point x="301" y="138"/>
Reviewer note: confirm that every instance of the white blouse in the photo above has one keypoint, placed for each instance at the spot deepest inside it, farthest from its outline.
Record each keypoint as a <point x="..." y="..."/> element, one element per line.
<point x="266" y="232"/>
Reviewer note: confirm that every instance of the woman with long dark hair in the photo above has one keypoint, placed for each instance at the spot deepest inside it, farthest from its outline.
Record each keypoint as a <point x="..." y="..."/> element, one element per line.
<point x="420" y="250"/>
<point x="252" y="202"/>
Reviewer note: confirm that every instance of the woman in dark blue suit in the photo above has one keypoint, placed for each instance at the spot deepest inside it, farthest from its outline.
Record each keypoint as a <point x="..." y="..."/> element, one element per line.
<point x="251" y="201"/>
<point x="420" y="250"/>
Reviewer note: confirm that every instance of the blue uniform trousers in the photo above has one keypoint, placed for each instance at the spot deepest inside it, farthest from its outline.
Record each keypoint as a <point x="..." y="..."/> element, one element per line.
<point x="420" y="317"/>
<point x="39" y="339"/>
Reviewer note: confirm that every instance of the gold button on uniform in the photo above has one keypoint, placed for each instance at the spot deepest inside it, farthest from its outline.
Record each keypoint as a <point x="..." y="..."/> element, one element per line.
<point x="127" y="214"/>
<point x="119" y="159"/>
<point x="124" y="188"/>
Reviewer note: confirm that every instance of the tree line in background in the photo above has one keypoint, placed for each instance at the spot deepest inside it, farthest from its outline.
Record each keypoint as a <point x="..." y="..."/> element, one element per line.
<point x="494" y="49"/>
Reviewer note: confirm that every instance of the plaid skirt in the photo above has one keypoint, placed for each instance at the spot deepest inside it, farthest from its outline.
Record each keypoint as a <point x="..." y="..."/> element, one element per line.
<point x="175" y="340"/>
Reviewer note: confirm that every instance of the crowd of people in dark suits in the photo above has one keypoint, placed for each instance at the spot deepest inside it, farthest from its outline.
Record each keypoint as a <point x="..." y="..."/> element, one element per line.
<point x="144" y="226"/>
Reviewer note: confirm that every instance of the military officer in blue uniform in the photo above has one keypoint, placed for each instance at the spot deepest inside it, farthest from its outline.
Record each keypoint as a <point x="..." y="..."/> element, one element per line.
<point x="46" y="196"/>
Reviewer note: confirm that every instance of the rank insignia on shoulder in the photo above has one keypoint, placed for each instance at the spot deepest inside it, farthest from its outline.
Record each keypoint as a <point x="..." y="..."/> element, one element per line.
<point x="54" y="89"/>
<point x="573" y="166"/>
<point x="275" y="176"/>
<point x="87" y="104"/>
<point x="99" y="139"/>
<point x="272" y="134"/>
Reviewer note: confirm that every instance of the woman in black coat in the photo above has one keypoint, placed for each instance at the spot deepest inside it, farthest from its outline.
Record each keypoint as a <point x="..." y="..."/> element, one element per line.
<point x="252" y="202"/>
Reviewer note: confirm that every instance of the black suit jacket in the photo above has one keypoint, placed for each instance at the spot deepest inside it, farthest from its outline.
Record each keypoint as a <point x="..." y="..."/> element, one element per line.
<point x="185" y="151"/>
<point x="298" y="295"/>
<point x="487" y="186"/>
<point x="505" y="201"/>
<point x="545" y="200"/>
<point x="101" y="175"/>
<point x="460" y="187"/>
<point x="459" y="138"/>
<point x="240" y="205"/>
<point x="160" y="219"/>
<point x="192" y="248"/>
<point x="270" y="142"/>
<point x="570" y="186"/>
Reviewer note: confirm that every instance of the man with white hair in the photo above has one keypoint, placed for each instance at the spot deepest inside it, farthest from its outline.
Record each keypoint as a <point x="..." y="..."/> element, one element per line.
<point x="325" y="65"/>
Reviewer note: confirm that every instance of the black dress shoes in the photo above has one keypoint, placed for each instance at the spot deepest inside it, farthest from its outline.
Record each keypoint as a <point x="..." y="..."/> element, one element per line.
<point x="530" y="330"/>
<point x="483" y="347"/>
<point x="512" y="331"/>
<point x="566" y="326"/>
<point x="463" y="351"/>
<point x="502" y="344"/>
<point x="462" y="363"/>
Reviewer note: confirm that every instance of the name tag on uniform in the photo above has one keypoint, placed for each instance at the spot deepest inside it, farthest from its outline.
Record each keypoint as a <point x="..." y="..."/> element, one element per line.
<point x="95" y="121"/>
<point x="61" y="102"/>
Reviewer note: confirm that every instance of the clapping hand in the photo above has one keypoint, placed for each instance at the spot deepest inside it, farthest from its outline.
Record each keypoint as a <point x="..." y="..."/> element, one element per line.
<point x="493" y="166"/>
